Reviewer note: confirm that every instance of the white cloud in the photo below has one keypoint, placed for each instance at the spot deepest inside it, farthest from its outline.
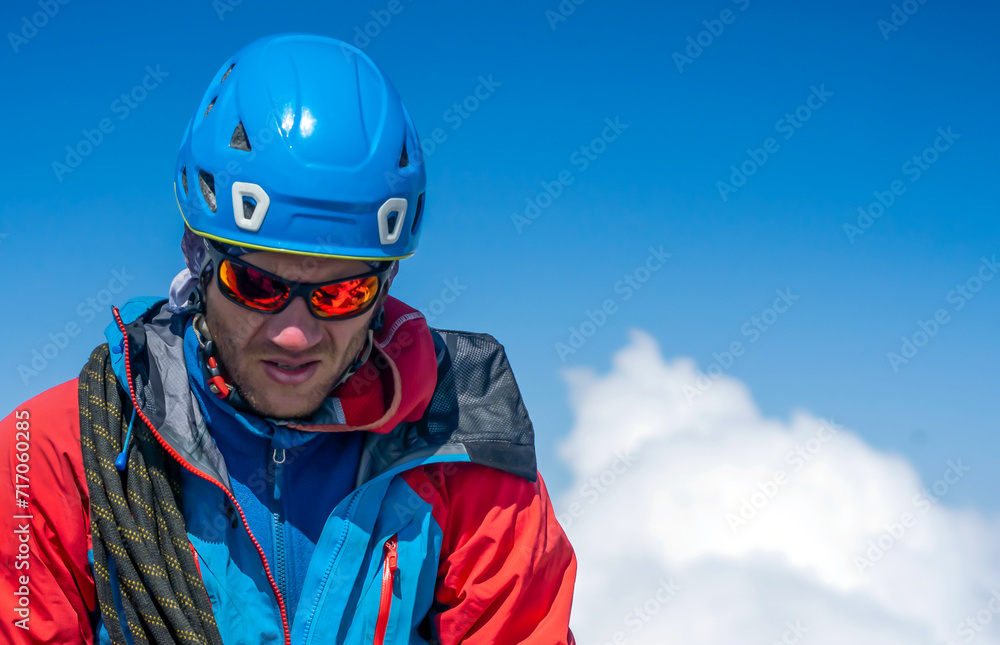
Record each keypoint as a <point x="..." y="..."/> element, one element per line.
<point x="766" y="526"/>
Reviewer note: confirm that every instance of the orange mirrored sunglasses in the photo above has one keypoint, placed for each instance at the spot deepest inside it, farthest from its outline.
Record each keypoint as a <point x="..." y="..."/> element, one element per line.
<point x="258" y="290"/>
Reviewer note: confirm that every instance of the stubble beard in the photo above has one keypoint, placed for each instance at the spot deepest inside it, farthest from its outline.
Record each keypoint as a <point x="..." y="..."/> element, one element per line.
<point x="241" y="365"/>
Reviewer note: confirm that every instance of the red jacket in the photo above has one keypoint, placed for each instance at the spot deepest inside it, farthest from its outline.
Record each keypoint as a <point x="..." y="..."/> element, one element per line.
<point x="506" y="569"/>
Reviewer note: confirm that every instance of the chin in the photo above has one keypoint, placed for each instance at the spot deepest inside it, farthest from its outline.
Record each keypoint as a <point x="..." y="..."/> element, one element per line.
<point x="284" y="408"/>
<point x="277" y="402"/>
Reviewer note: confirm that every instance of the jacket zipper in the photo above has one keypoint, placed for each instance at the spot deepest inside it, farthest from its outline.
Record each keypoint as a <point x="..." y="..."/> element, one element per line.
<point x="389" y="566"/>
<point x="390" y="563"/>
<point x="274" y="474"/>
<point x="333" y="560"/>
<point x="232" y="498"/>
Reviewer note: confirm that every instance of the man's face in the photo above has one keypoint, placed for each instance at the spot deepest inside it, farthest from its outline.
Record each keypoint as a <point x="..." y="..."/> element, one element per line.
<point x="285" y="364"/>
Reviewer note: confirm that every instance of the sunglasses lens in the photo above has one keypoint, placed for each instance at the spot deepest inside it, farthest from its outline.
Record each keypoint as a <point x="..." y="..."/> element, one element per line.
<point x="345" y="298"/>
<point x="251" y="288"/>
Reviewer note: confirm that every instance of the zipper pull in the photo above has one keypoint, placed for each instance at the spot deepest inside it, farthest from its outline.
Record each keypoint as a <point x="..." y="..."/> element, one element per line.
<point x="390" y="554"/>
<point x="385" y="599"/>
<point x="275" y="479"/>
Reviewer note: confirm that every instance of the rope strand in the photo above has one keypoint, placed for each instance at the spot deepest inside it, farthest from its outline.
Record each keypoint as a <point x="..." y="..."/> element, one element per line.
<point x="138" y="525"/>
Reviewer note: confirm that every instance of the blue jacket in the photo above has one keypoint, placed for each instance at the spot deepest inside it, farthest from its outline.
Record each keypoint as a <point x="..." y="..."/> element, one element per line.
<point x="431" y="525"/>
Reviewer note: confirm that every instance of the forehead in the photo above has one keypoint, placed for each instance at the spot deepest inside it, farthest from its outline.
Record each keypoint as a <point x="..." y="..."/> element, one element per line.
<point x="305" y="268"/>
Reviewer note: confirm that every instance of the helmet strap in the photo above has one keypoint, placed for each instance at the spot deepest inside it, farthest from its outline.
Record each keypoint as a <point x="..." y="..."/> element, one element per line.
<point x="206" y="346"/>
<point x="359" y="360"/>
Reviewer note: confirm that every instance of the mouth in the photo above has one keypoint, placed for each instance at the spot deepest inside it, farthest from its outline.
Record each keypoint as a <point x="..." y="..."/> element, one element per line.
<point x="290" y="373"/>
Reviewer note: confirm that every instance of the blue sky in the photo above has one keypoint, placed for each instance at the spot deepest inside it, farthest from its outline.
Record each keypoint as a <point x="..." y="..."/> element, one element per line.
<point x="864" y="101"/>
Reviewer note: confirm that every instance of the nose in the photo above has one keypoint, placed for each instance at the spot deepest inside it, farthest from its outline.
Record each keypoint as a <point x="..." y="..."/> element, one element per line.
<point x="294" y="329"/>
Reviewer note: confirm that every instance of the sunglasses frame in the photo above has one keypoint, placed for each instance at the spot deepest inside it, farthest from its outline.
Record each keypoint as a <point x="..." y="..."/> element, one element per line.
<point x="295" y="289"/>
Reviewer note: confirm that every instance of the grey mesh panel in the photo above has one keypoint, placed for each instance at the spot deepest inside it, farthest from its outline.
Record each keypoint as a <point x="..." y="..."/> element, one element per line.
<point x="482" y="384"/>
<point x="176" y="413"/>
<point x="476" y="409"/>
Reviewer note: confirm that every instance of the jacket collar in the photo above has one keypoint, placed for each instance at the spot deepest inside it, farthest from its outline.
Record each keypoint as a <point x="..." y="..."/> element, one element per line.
<point x="453" y="395"/>
<point x="403" y="362"/>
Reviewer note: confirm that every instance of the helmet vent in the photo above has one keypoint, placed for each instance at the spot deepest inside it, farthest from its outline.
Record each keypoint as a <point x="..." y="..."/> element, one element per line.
<point x="249" y="204"/>
<point x="239" y="140"/>
<point x="210" y="106"/>
<point x="207" y="182"/>
<point x="420" y="210"/>
<point x="390" y="219"/>
<point x="227" y="72"/>
<point x="184" y="179"/>
<point x="404" y="159"/>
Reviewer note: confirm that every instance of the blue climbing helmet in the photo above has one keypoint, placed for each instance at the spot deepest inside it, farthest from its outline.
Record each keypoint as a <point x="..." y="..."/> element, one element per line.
<point x="301" y="144"/>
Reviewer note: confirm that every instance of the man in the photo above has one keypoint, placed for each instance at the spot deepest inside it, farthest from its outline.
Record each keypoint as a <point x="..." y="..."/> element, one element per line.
<point x="282" y="452"/>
